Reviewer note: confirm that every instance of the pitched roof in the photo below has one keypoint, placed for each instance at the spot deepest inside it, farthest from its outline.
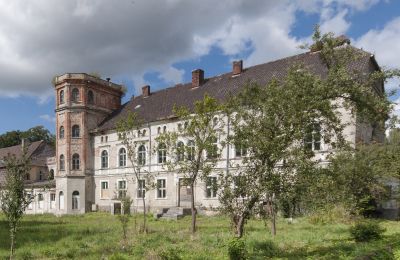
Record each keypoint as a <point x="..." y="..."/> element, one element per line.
<point x="159" y="105"/>
<point x="38" y="152"/>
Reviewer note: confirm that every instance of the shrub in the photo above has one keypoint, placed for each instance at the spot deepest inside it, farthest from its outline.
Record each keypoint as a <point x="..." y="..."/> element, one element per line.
<point x="170" y="253"/>
<point x="364" y="231"/>
<point x="237" y="249"/>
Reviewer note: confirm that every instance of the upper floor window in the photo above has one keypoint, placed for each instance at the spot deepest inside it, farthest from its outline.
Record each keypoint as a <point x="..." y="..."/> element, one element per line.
<point x="162" y="153"/>
<point x="211" y="187"/>
<point x="104" y="159"/>
<point x="190" y="150"/>
<point x="75" y="131"/>
<point x="75" y="95"/>
<point x="62" y="100"/>
<point x="142" y="155"/>
<point x="61" y="132"/>
<point x="240" y="150"/>
<point x="90" y="97"/>
<point x="75" y="200"/>
<point x="51" y="177"/>
<point x="62" y="163"/>
<point x="312" y="140"/>
<point x="180" y="151"/>
<point x="212" y="151"/>
<point x="40" y="175"/>
<point x="158" y="130"/>
<point x="122" y="157"/>
<point x="75" y="161"/>
<point x="164" y="129"/>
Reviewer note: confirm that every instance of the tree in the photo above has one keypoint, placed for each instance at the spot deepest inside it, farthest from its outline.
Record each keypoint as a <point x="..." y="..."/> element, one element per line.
<point x="283" y="123"/>
<point x="126" y="203"/>
<point x="128" y="133"/>
<point x="14" y="197"/>
<point x="195" y="160"/>
<point x="33" y="134"/>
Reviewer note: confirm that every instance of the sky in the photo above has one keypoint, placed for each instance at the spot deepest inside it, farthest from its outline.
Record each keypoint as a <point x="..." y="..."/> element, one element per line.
<point x="160" y="42"/>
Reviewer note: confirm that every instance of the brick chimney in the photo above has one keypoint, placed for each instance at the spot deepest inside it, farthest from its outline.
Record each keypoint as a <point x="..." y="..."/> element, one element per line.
<point x="237" y="67"/>
<point x="146" y="91"/>
<point x="197" y="78"/>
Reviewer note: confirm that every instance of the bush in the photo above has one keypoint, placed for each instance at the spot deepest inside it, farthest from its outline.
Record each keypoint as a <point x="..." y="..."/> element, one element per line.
<point x="170" y="253"/>
<point x="364" y="231"/>
<point x="237" y="249"/>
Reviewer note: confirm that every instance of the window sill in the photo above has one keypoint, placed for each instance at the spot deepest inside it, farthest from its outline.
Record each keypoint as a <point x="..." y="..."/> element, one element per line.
<point x="161" y="198"/>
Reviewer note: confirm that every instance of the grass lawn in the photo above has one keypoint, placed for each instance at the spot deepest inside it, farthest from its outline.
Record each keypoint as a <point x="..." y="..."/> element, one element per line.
<point x="98" y="236"/>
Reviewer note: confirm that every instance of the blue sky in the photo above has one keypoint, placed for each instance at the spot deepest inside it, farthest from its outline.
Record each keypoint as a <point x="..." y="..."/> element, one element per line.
<point x="160" y="42"/>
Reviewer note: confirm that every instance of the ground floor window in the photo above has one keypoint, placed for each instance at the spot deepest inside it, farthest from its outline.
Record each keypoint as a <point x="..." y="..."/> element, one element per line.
<point x="211" y="187"/>
<point x="75" y="200"/>
<point x="61" y="200"/>
<point x="52" y="200"/>
<point x="121" y="188"/>
<point x="40" y="201"/>
<point x="104" y="193"/>
<point x="141" y="191"/>
<point x="161" y="188"/>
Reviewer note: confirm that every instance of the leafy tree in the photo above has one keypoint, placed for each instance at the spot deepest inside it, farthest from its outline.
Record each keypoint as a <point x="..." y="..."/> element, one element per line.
<point x="280" y="124"/>
<point x="33" y="134"/>
<point x="14" y="197"/>
<point x="128" y="133"/>
<point x="126" y="203"/>
<point x="193" y="149"/>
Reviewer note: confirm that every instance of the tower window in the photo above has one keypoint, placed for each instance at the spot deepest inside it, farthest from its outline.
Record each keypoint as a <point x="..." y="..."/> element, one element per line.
<point x="75" y="95"/>
<point x="62" y="163"/>
<point x="90" y="97"/>
<point x="62" y="97"/>
<point x="61" y="132"/>
<point x="75" y="131"/>
<point x="75" y="161"/>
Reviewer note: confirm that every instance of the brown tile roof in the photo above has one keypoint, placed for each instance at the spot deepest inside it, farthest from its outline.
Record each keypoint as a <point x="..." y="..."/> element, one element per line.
<point x="159" y="104"/>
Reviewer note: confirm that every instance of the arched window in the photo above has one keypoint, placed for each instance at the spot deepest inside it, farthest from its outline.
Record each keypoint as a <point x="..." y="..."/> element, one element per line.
<point x="191" y="150"/>
<point x="164" y="129"/>
<point x="312" y="140"/>
<point x="61" y="200"/>
<point x="180" y="151"/>
<point x="215" y="121"/>
<point x="212" y="151"/>
<point x="158" y="130"/>
<point x="75" y="131"/>
<point x="62" y="100"/>
<point x="162" y="153"/>
<point x="90" y="97"/>
<point x="144" y="132"/>
<point x="104" y="159"/>
<point x="75" y="161"/>
<point x="51" y="176"/>
<point x="142" y="155"/>
<point x="75" y="200"/>
<point x="61" y="132"/>
<point x="75" y="95"/>
<point x="122" y="157"/>
<point x="62" y="162"/>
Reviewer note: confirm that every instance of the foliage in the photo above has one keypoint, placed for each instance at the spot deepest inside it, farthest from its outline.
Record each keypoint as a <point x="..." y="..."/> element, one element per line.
<point x="124" y="217"/>
<point x="237" y="249"/>
<point x="170" y="253"/>
<point x="14" y="197"/>
<point x="194" y="144"/>
<point x="128" y="130"/>
<point x="33" y="134"/>
<point x="365" y="231"/>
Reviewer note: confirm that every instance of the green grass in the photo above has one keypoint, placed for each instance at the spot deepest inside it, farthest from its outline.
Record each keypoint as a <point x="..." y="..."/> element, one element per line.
<point x="98" y="236"/>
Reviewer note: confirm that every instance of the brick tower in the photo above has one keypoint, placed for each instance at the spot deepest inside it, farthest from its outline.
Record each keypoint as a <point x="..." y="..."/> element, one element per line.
<point x="83" y="101"/>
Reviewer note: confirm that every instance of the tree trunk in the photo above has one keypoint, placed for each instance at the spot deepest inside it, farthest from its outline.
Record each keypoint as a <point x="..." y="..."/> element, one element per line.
<point x="144" y="215"/>
<point x="240" y="226"/>
<point x="273" y="217"/>
<point x="193" y="209"/>
<point x="12" y="237"/>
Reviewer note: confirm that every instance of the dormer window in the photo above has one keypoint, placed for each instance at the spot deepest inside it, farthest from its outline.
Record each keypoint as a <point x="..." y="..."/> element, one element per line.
<point x="75" y="95"/>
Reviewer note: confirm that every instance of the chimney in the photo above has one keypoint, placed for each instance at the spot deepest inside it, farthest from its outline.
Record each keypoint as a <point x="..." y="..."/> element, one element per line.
<point x="197" y="78"/>
<point x="237" y="67"/>
<point x="108" y="79"/>
<point x="146" y="91"/>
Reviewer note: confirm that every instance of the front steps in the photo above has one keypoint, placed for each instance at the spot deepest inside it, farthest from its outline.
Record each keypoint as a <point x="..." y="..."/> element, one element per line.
<point x="174" y="213"/>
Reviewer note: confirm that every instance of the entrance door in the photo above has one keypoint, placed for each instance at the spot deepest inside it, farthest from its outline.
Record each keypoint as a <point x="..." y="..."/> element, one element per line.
<point x="185" y="193"/>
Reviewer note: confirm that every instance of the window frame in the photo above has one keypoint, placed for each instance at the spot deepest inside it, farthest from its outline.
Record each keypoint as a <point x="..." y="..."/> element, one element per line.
<point x="75" y="95"/>
<point x="162" y="153"/>
<point x="141" y="156"/>
<point x="75" y="131"/>
<point x="122" y="157"/>
<point x="104" y="159"/>
<point x="211" y="187"/>
<point x="75" y="162"/>
<point x="122" y="191"/>
<point x="161" y="190"/>
<point x="61" y="132"/>
<point x="141" y="189"/>
<point x="61" y="161"/>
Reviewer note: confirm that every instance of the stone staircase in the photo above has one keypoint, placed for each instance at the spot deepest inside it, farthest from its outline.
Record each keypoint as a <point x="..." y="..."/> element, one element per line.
<point x="174" y="213"/>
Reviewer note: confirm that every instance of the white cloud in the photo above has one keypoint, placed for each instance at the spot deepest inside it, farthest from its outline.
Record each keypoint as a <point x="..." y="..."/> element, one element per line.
<point x="336" y="24"/>
<point x="172" y="75"/>
<point x="48" y="118"/>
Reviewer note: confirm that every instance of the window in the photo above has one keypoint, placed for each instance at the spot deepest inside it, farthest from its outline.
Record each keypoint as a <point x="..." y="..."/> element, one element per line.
<point x="180" y="152"/>
<point x="211" y="187"/>
<point x="179" y="127"/>
<point x="164" y="129"/>
<point x="28" y="176"/>
<point x="75" y="95"/>
<point x="90" y="97"/>
<point x="240" y="150"/>
<point x="104" y="193"/>
<point x="52" y="200"/>
<point x="75" y="200"/>
<point x="144" y="132"/>
<point x="61" y="200"/>
<point x="62" y="97"/>
<point x="75" y="131"/>
<point x="62" y="163"/>
<point x="142" y="155"/>
<point x="121" y="189"/>
<point x="40" y="175"/>
<point x="75" y="161"/>
<point x="162" y="153"/>
<point x="104" y="159"/>
<point x="30" y="197"/>
<point x="312" y="140"/>
<point x="161" y="188"/>
<point x="158" y="130"/>
<point x="191" y="151"/>
<point x="122" y="157"/>
<point x="51" y="177"/>
<point x="212" y="151"/>
<point x="215" y="121"/>
<point x="141" y="189"/>
<point x="61" y="132"/>
<point x="40" y="201"/>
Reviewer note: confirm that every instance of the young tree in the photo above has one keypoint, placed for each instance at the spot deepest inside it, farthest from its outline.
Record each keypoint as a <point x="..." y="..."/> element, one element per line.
<point x="128" y="133"/>
<point x="126" y="203"/>
<point x="14" y="198"/>
<point x="281" y="124"/>
<point x="201" y="128"/>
